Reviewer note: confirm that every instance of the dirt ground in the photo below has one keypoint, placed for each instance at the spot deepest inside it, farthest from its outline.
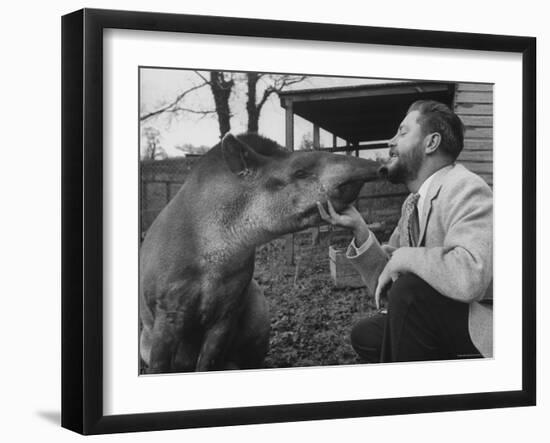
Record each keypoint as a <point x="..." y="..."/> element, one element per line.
<point x="310" y="318"/>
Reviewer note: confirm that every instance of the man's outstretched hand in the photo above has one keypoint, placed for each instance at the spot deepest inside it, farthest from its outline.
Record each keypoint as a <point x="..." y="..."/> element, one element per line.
<point x="349" y="218"/>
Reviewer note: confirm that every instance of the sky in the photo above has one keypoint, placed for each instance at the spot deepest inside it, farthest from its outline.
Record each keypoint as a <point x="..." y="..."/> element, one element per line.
<point x="159" y="86"/>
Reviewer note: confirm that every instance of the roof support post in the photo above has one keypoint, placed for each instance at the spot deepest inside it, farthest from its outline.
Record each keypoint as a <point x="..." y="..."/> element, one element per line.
<point x="289" y="127"/>
<point x="315" y="231"/>
<point x="316" y="137"/>
<point x="348" y="147"/>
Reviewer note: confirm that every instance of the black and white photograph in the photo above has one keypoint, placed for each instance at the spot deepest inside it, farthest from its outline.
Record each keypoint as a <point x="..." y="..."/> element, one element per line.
<point x="284" y="221"/>
<point x="293" y="220"/>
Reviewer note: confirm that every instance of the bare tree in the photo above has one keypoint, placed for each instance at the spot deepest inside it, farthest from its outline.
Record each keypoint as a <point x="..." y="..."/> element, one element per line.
<point x="306" y="144"/>
<point x="259" y="88"/>
<point x="271" y="84"/>
<point x="221" y="84"/>
<point x="176" y="105"/>
<point x="153" y="149"/>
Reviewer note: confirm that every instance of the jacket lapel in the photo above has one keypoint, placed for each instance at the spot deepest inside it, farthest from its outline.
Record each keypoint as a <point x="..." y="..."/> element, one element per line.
<point x="433" y="192"/>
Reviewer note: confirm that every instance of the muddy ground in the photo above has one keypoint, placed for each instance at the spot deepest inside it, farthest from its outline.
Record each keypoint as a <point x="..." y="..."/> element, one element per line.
<point x="310" y="318"/>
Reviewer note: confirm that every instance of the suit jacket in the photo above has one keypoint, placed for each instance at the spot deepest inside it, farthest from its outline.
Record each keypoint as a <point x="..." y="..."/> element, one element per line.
<point x="455" y="252"/>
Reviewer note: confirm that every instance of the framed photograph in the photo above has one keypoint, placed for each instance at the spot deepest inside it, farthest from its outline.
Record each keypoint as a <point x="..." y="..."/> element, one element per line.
<point x="205" y="279"/>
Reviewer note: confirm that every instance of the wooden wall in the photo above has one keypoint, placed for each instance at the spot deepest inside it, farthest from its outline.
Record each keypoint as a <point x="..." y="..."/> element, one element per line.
<point x="474" y="105"/>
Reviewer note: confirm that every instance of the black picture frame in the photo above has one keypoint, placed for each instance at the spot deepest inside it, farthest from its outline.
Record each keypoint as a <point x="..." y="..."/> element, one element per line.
<point x="82" y="218"/>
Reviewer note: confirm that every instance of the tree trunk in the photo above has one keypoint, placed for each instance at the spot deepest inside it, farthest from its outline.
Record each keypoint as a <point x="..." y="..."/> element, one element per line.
<point x="251" y="107"/>
<point x="221" y="90"/>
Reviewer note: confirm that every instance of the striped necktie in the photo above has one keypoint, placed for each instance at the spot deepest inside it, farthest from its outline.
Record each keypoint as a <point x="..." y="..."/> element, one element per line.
<point x="410" y="218"/>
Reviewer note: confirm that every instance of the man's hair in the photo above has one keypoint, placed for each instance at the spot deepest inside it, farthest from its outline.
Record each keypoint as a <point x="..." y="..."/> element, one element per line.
<point x="438" y="117"/>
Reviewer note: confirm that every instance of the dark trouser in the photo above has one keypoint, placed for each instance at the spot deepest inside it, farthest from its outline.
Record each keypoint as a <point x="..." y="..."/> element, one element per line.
<point x="421" y="324"/>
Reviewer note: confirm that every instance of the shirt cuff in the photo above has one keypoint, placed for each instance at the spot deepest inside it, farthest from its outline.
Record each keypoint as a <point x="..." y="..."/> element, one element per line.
<point x="354" y="251"/>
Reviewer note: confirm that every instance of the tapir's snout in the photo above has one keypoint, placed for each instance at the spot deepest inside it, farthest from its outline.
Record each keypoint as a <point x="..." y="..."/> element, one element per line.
<point x="365" y="170"/>
<point x="345" y="176"/>
<point x="348" y="191"/>
<point x="354" y="174"/>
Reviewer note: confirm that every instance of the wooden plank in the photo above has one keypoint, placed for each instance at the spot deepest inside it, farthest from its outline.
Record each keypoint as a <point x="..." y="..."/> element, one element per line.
<point x="483" y="87"/>
<point x="485" y="168"/>
<point x="488" y="178"/>
<point x="475" y="156"/>
<point x="474" y="97"/>
<point x="481" y="121"/>
<point x="478" y="132"/>
<point x="381" y="187"/>
<point x="473" y="109"/>
<point x="478" y="144"/>
<point x="370" y="205"/>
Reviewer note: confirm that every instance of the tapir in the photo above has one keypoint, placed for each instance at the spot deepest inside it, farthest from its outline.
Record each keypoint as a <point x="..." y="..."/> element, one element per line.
<point x="200" y="308"/>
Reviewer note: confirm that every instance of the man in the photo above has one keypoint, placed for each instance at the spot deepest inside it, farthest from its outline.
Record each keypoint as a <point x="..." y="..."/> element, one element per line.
<point x="437" y="267"/>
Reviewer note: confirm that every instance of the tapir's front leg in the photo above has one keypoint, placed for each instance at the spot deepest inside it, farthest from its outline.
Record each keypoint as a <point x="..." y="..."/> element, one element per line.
<point x="170" y="349"/>
<point x="214" y="346"/>
<point x="163" y="343"/>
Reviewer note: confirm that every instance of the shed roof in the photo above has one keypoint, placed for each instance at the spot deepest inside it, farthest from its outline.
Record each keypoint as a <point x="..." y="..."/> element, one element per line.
<point x="363" y="113"/>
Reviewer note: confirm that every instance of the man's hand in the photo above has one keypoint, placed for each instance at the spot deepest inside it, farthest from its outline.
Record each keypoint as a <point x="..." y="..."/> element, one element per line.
<point x="349" y="218"/>
<point x="384" y="279"/>
<point x="389" y="274"/>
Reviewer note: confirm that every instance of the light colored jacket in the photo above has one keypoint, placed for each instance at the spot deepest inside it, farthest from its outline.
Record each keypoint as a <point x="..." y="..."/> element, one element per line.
<point x="455" y="252"/>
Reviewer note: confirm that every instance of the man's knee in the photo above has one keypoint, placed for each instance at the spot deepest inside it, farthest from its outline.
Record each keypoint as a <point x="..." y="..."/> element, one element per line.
<point x="409" y="289"/>
<point x="366" y="337"/>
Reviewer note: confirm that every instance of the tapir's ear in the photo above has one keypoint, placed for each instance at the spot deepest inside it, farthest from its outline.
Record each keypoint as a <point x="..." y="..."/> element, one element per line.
<point x="238" y="156"/>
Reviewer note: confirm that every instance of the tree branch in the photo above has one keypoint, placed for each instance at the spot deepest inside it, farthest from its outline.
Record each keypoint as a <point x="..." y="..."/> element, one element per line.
<point x="192" y="111"/>
<point x="171" y="107"/>
<point x="279" y="85"/>
<point x="265" y="96"/>
<point x="206" y="81"/>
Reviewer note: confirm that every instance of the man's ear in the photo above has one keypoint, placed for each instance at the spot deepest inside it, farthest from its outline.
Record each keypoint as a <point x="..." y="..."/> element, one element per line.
<point x="433" y="141"/>
<point x="239" y="157"/>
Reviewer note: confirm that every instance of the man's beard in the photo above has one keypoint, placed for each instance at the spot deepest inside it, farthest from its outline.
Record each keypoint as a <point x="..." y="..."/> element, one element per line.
<point x="404" y="168"/>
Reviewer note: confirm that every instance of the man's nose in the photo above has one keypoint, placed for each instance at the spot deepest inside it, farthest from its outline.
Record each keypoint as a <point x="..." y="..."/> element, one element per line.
<point x="391" y="142"/>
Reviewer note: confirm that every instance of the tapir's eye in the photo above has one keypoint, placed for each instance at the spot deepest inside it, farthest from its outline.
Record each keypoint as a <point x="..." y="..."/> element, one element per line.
<point x="301" y="173"/>
<point x="274" y="184"/>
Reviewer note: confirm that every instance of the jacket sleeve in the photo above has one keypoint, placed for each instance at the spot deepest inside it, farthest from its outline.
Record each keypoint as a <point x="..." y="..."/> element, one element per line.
<point x="369" y="262"/>
<point x="462" y="268"/>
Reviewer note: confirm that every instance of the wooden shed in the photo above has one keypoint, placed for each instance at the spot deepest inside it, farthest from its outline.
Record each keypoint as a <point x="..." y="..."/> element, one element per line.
<point x="367" y="116"/>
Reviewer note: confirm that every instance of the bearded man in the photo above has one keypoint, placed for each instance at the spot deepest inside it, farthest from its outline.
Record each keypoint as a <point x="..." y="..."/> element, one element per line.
<point x="437" y="267"/>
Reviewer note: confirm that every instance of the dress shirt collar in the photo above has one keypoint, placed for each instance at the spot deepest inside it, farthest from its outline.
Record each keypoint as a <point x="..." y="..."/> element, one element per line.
<point x="423" y="191"/>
